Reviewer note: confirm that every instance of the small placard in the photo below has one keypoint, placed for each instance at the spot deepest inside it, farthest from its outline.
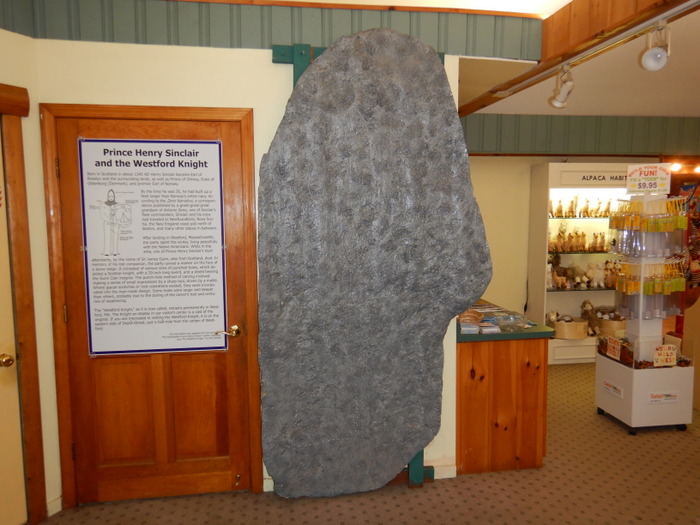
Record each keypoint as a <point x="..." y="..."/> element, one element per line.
<point x="663" y="397"/>
<point x="666" y="355"/>
<point x="613" y="350"/>
<point x="649" y="178"/>
<point x="613" y="389"/>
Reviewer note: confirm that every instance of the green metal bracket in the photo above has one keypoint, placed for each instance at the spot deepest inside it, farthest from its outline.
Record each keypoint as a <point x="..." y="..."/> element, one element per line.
<point x="418" y="473"/>
<point x="300" y="55"/>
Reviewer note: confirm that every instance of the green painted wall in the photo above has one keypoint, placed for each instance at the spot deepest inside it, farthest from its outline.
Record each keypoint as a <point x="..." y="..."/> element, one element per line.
<point x="590" y="135"/>
<point x="260" y="27"/>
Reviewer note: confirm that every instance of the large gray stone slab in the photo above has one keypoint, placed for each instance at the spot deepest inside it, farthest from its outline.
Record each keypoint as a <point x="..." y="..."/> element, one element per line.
<point x="370" y="241"/>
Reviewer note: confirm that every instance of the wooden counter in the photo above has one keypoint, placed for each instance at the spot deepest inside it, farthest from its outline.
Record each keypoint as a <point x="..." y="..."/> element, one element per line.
<point x="501" y="400"/>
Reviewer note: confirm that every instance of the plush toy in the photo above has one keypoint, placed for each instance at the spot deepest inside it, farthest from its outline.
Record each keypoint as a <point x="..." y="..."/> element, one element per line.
<point x="610" y="272"/>
<point x="596" y="275"/>
<point x="588" y="313"/>
<point x="576" y="276"/>
<point x="549" y="278"/>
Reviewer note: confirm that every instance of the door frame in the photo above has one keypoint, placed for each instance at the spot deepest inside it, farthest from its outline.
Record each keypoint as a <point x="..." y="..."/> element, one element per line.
<point x="14" y="104"/>
<point x="49" y="114"/>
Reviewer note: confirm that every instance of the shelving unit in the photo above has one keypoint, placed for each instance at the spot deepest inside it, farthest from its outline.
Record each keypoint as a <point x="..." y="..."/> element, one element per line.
<point x="586" y="192"/>
<point x="639" y="380"/>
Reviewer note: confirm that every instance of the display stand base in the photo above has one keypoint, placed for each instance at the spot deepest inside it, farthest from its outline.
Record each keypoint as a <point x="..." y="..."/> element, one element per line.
<point x="641" y="398"/>
<point x="632" y="431"/>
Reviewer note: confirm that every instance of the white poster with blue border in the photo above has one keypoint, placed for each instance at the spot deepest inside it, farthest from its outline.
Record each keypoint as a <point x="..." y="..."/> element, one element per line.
<point x="153" y="237"/>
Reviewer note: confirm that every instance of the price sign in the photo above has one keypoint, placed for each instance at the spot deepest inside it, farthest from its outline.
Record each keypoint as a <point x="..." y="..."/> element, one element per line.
<point x="649" y="178"/>
<point x="613" y="349"/>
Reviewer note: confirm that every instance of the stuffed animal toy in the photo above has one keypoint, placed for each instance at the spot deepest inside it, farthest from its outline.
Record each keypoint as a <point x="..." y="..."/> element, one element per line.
<point x="596" y="274"/>
<point x="589" y="314"/>
<point x="576" y="276"/>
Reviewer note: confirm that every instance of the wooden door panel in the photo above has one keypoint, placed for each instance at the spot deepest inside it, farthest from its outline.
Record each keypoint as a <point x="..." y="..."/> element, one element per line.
<point x="146" y="425"/>
<point x="124" y="400"/>
<point x="200" y="404"/>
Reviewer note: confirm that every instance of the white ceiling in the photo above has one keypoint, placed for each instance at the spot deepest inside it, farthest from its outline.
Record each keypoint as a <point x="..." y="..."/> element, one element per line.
<point x="615" y="84"/>
<point x="538" y="8"/>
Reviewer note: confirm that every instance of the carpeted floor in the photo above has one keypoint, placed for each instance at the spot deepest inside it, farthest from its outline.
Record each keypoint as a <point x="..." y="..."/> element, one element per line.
<point x="594" y="473"/>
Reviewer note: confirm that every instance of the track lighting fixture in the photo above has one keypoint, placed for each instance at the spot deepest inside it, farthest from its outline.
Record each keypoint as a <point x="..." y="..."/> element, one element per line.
<point x="565" y="85"/>
<point x="658" y="49"/>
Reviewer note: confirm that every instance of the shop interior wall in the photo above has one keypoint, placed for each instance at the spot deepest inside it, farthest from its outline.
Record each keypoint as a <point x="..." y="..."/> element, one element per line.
<point x="69" y="72"/>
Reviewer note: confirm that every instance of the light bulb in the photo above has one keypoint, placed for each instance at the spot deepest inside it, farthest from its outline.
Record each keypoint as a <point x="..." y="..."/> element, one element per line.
<point x="654" y="58"/>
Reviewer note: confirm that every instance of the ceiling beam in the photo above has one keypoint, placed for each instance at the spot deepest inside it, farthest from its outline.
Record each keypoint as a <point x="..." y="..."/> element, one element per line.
<point x="578" y="32"/>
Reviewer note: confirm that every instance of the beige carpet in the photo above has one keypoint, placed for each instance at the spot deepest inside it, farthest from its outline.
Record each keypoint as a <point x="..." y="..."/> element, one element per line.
<point x="594" y="473"/>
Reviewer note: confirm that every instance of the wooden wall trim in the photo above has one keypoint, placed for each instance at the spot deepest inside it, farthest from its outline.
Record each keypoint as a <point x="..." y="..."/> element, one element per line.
<point x="60" y="337"/>
<point x="14" y="101"/>
<point x="23" y="302"/>
<point x="583" y="24"/>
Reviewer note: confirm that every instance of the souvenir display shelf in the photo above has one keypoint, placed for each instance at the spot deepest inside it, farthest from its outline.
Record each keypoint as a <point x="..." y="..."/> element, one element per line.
<point x="569" y="258"/>
<point x="639" y="380"/>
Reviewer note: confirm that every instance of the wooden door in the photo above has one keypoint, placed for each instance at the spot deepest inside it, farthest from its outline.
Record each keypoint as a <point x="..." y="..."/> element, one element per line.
<point x="12" y="496"/>
<point x="166" y="423"/>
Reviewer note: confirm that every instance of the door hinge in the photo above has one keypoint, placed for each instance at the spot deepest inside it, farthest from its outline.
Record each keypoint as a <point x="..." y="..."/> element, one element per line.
<point x="65" y="313"/>
<point x="58" y="171"/>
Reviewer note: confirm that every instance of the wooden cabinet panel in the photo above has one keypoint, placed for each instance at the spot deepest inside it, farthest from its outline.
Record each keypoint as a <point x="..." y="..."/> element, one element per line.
<point x="501" y="405"/>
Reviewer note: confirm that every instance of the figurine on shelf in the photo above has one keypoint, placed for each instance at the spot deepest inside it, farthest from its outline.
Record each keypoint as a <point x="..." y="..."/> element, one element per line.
<point x="551" y="209"/>
<point x="549" y="277"/>
<point x="551" y="243"/>
<point x="600" y="247"/>
<point x="584" y="211"/>
<point x="560" y="243"/>
<point x="559" y="211"/>
<point x="571" y="208"/>
<point x="605" y="212"/>
<point x="588" y="313"/>
<point x="594" y="243"/>
<point x="595" y="210"/>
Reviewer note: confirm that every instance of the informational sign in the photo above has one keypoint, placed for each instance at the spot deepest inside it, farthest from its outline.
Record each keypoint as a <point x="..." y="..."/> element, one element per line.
<point x="583" y="178"/>
<point x="666" y="355"/>
<point x="649" y="179"/>
<point x="153" y="237"/>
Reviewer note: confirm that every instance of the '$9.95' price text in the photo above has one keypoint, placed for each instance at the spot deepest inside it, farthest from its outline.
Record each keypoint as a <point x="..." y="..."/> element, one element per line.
<point x="647" y="185"/>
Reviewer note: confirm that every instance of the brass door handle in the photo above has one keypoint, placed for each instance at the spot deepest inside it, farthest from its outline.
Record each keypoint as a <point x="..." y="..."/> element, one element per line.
<point x="6" y="360"/>
<point x="234" y="331"/>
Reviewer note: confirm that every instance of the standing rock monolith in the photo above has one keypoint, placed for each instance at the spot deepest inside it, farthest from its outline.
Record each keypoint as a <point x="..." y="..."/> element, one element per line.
<point x="370" y="242"/>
